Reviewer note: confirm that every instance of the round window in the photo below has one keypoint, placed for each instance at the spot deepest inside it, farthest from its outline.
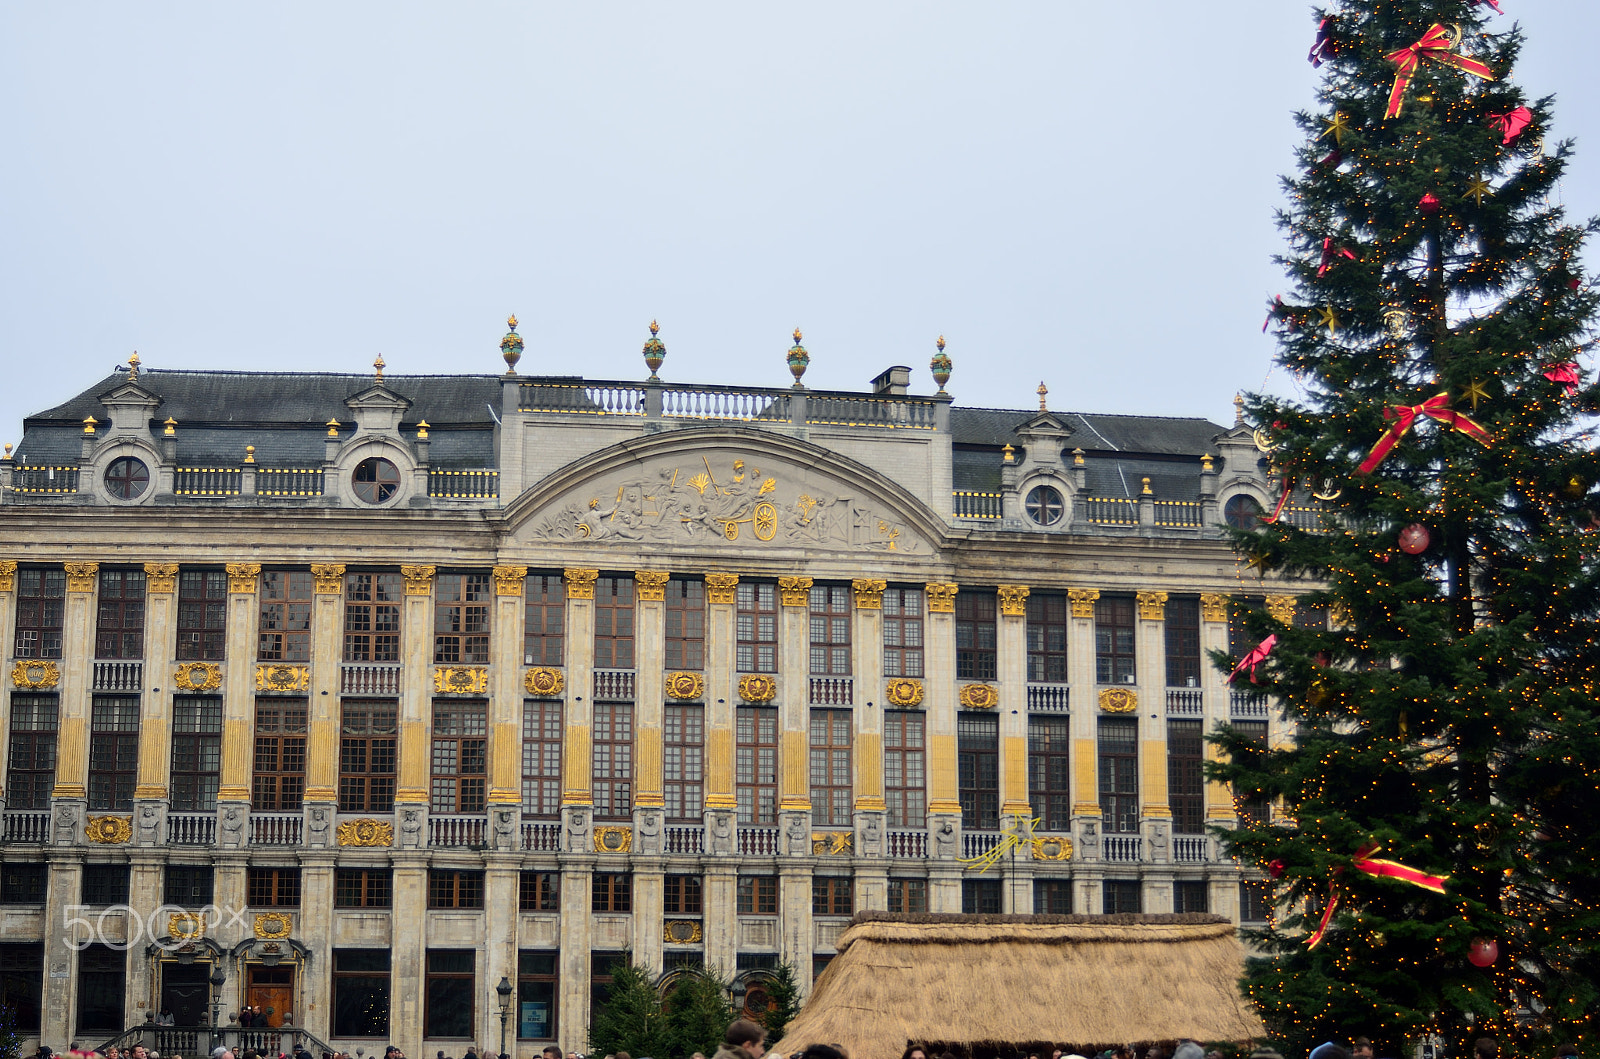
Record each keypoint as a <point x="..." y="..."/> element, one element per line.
<point x="1241" y="512"/>
<point x="127" y="478"/>
<point x="1044" y="505"/>
<point x="376" y="480"/>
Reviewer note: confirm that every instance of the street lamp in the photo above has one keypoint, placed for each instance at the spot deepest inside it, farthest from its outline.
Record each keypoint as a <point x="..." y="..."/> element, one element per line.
<point x="504" y="991"/>
<point x="218" y="977"/>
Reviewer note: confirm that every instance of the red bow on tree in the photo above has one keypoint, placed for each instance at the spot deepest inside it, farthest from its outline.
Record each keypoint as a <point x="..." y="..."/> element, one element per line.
<point x="1492" y="3"/>
<point x="1511" y="123"/>
<point x="1324" y="46"/>
<point x="1256" y="656"/>
<point x="1435" y="45"/>
<point x="1329" y="254"/>
<point x="1565" y="373"/>
<point x="1401" y="417"/>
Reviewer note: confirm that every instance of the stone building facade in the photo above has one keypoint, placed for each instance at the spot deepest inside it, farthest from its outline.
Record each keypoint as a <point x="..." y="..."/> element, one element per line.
<point x="373" y="693"/>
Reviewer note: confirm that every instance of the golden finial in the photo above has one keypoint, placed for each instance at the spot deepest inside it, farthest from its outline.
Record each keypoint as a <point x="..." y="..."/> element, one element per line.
<point x="1077" y="457"/>
<point x="798" y="359"/>
<point x="378" y="365"/>
<point x="8" y="450"/>
<point x="511" y="345"/>
<point x="797" y="336"/>
<point x="511" y="321"/>
<point x="1147" y="491"/>
<point x="171" y="427"/>
<point x="88" y="424"/>
<point x="333" y="428"/>
<point x="1008" y="454"/>
<point x="940" y="343"/>
<point x="422" y="430"/>
<point x="655" y="328"/>
<point x="133" y="366"/>
<point x="1205" y="463"/>
<point x="249" y="454"/>
<point x="1238" y="409"/>
<point x="1042" y="391"/>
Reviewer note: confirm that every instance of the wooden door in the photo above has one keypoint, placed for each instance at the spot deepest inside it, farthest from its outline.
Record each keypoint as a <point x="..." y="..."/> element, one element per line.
<point x="271" y="988"/>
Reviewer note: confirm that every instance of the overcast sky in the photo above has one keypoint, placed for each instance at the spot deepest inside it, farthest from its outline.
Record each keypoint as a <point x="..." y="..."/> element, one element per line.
<point x="1075" y="192"/>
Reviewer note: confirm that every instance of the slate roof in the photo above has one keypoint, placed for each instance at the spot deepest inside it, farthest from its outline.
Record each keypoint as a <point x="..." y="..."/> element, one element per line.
<point x="1162" y="435"/>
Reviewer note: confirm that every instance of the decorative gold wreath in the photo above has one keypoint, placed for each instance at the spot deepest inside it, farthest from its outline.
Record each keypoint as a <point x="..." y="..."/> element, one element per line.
<point x="35" y="673"/>
<point x="365" y="832"/>
<point x="978" y="696"/>
<point x="681" y="932"/>
<point x="1052" y="848"/>
<point x="460" y="681"/>
<point x="758" y="688"/>
<point x="904" y="691"/>
<point x="278" y="677"/>
<point x="109" y="829"/>
<point x="613" y="839"/>
<point x="1118" y="700"/>
<point x="186" y="926"/>
<point x="832" y="843"/>
<point x="544" y="680"/>
<point x="272" y="925"/>
<point x="683" y="686"/>
<point x="197" y="676"/>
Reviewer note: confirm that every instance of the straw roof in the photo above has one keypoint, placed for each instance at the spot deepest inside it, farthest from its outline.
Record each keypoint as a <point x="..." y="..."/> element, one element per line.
<point x="995" y="980"/>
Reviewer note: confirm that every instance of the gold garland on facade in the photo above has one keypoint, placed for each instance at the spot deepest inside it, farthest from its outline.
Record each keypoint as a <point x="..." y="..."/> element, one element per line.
<point x="277" y="676"/>
<point x="978" y="696"/>
<point x="758" y="688"/>
<point x="460" y="680"/>
<point x="613" y="839"/>
<point x="35" y="673"/>
<point x="1118" y="700"/>
<point x="366" y="832"/>
<point x="685" y="686"/>
<point x="197" y="676"/>
<point x="109" y="830"/>
<point x="544" y="680"/>
<point x="903" y="692"/>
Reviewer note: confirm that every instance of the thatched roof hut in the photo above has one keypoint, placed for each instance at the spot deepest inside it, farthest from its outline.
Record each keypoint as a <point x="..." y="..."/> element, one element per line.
<point x="995" y="984"/>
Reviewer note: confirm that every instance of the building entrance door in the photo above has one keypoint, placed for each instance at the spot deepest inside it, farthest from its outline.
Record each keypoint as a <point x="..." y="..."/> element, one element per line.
<point x="186" y="992"/>
<point x="270" y="989"/>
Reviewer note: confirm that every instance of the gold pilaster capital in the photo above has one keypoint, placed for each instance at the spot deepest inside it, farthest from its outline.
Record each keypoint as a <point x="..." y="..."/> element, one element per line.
<point x="8" y="575"/>
<point x="1213" y="607"/>
<point x="327" y="579"/>
<point x="244" y="577"/>
<point x="1152" y="605"/>
<point x="419" y="580"/>
<point x="794" y="591"/>
<point x="233" y="792"/>
<point x="1013" y="600"/>
<point x="150" y="790"/>
<point x="942" y="596"/>
<point x="720" y="587"/>
<point x="508" y="580"/>
<point x="1083" y="600"/>
<point x="1282" y="608"/>
<point x="69" y="790"/>
<point x="651" y="585"/>
<point x="580" y="582"/>
<point x="81" y="576"/>
<point x="869" y="593"/>
<point x="160" y="577"/>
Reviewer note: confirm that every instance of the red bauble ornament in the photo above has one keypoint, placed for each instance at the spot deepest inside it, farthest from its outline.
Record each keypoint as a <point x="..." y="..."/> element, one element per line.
<point x="1573" y="283"/>
<point x="1483" y="953"/>
<point x="1428" y="204"/>
<point x="1414" y="539"/>
<point x="1321" y="659"/>
<point x="1276" y="869"/>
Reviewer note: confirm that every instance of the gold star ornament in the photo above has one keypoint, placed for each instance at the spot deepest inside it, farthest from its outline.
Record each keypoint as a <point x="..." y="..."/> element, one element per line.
<point x="1337" y="128"/>
<point x="1475" y="393"/>
<point x="1477" y="189"/>
<point x="1330" y="319"/>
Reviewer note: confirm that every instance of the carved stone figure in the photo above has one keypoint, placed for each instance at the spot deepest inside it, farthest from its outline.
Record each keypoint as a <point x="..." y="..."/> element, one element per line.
<point x="577" y="830"/>
<point x="722" y="832"/>
<point x="798" y="835"/>
<point x="149" y="824"/>
<point x="66" y="825"/>
<point x="232" y="825"/>
<point x="944" y="839"/>
<point x="318" y="824"/>
<point x="870" y="842"/>
<point x="647" y="833"/>
<point x="410" y="827"/>
<point x="505" y="829"/>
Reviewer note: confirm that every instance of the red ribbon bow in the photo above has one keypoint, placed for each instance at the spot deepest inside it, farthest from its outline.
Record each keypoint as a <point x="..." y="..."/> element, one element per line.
<point x="1324" y="46"/>
<point x="1492" y="3"/>
<point x="1389" y="869"/>
<point x="1511" y="123"/>
<point x="1435" y="44"/>
<point x="1565" y="373"/>
<point x="1254" y="658"/>
<point x="1272" y="310"/>
<point x="1329" y="255"/>
<point x="1401" y="417"/>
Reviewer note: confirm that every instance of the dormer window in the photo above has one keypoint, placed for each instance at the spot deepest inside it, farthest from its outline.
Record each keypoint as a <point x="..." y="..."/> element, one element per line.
<point x="127" y="478"/>
<point x="375" y="480"/>
<point x="1241" y="512"/>
<point x="1044" y="505"/>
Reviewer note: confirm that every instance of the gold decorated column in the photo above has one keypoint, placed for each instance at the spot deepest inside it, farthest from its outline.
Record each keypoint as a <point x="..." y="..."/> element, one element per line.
<point x="720" y="662"/>
<point x="1150" y="668"/>
<point x="794" y="693"/>
<point x="869" y="698"/>
<point x="327" y="654"/>
<point x="577" y="769"/>
<point x="77" y="644"/>
<point x="155" y="723"/>
<point x="1085" y="731"/>
<point x="8" y="632"/>
<point x="649" y="661"/>
<point x="939" y="698"/>
<point x="416" y="647"/>
<point x="505" y="698"/>
<point x="244" y="581"/>
<point x="1012" y="669"/>
<point x="1214" y="637"/>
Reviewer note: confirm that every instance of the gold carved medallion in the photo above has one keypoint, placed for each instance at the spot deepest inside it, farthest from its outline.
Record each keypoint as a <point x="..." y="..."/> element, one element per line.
<point x="279" y="677"/>
<point x="978" y="696"/>
<point x="186" y="926"/>
<point x="543" y="680"/>
<point x="903" y="691"/>
<point x="757" y="688"/>
<point x="1118" y="700"/>
<point x="35" y="673"/>
<point x="109" y="829"/>
<point x="681" y="932"/>
<point x="685" y="686"/>
<point x="197" y="676"/>
<point x="272" y="925"/>
<point x="460" y="680"/>
<point x="1052" y="848"/>
<point x="613" y="839"/>
<point x="832" y="843"/>
<point x="365" y="832"/>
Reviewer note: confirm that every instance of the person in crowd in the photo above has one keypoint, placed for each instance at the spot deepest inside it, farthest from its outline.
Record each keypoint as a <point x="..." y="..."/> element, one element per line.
<point x="1361" y="1048"/>
<point x="1266" y="1053"/>
<point x="1188" y="1049"/>
<point x="622" y="1055"/>
<point x="1567" y="1051"/>
<point x="1486" y="1048"/>
<point x="1330" y="1050"/>
<point x="917" y="1051"/>
<point x="139" y="1052"/>
<point x="551" y="1052"/>
<point x="823" y="1051"/>
<point x="743" y="1040"/>
<point x="165" y="1018"/>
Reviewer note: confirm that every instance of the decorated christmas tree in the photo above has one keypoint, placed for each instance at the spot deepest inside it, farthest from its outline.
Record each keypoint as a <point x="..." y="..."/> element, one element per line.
<point x="1431" y="855"/>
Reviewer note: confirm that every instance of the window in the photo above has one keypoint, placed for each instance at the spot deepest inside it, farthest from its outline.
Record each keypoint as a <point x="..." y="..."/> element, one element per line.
<point x="830" y="630"/>
<point x="460" y="756"/>
<point x="285" y="632"/>
<point x="455" y="889"/>
<point x="360" y="992"/>
<point x="686" y="624"/>
<point x="904" y="769"/>
<point x="196" y="753"/>
<point x="545" y="604"/>
<point x="127" y="478"/>
<point x="1119" y="775"/>
<point x="1119" y="896"/>
<point x="756" y="765"/>
<point x="537" y="988"/>
<point x="1253" y="807"/>
<point x="461" y="619"/>
<point x="105" y="884"/>
<point x="363" y="888"/>
<point x="539" y="891"/>
<point x="1047" y="638"/>
<point x="975" y="636"/>
<point x="541" y="758"/>
<point x="757" y="895"/>
<point x="367" y="732"/>
<point x="1241" y="512"/>
<point x="613" y="760"/>
<point x="450" y="993"/>
<point x="756" y="627"/>
<point x="31" y="771"/>
<point x="902" y="632"/>
<point x="1183" y="642"/>
<point x="1240" y="639"/>
<point x="819" y="963"/>
<point x="119" y="622"/>
<point x="908" y="895"/>
<point x="1255" y="900"/>
<point x="1049" y="777"/>
<point x="602" y="966"/>
<point x="832" y="895"/>
<point x="1052" y="897"/>
<point x="1113" y="640"/>
<point x="612" y="891"/>
<point x="1185" y="778"/>
<point x="202" y="615"/>
<point x="113" y="752"/>
<point x="613" y="623"/>
<point x="1191" y="895"/>
<point x="680" y="895"/>
<point x="830" y="768"/>
<point x="102" y="982"/>
<point x="274" y="887"/>
<point x="279" y="777"/>
<point x="372" y="617"/>
<point x="41" y="603"/>
<point x="22" y="883"/>
<point x="978" y="770"/>
<point x="188" y="885"/>
<point x="1044" y="505"/>
<point x="375" y="480"/>
<point x="22" y="984"/>
<point x="683" y="765"/>
<point x="980" y="896"/>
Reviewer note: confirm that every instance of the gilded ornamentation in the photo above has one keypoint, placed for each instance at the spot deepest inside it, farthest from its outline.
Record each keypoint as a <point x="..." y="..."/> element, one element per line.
<point x="186" y="926"/>
<point x="869" y="593"/>
<point x="613" y="839"/>
<point x="903" y="691"/>
<point x="460" y="680"/>
<point x="1118" y="700"/>
<point x="1083" y="601"/>
<point x="580" y="582"/>
<point x="8" y="575"/>
<point x="978" y="696"/>
<point x="197" y="676"/>
<point x="652" y="585"/>
<point x="757" y="688"/>
<point x="81" y="576"/>
<point x="327" y="578"/>
<point x="419" y="580"/>
<point x="508" y="580"/>
<point x="365" y="832"/>
<point x="1052" y="847"/>
<point x="942" y="597"/>
<point x="276" y="676"/>
<point x="243" y="577"/>
<point x="161" y="577"/>
<point x="720" y="587"/>
<point x="681" y="932"/>
<point x="35" y="673"/>
<point x="1152" y="605"/>
<point x="544" y="680"/>
<point x="1339" y="615"/>
<point x="795" y="591"/>
<point x="1213" y="607"/>
<point x="685" y="686"/>
<point x="273" y="925"/>
<point x="832" y="843"/>
<point x="1013" y="600"/>
<point x="109" y="830"/>
<point x="1281" y="608"/>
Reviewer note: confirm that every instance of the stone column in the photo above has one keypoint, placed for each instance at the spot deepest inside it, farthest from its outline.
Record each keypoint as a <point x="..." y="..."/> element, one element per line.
<point x="501" y="885"/>
<point x="650" y="654"/>
<point x="794" y="707"/>
<point x="939" y="702"/>
<point x="8" y="633"/>
<point x="155" y="723"/>
<point x="322" y="752"/>
<point x="407" y="940"/>
<point x="720" y="924"/>
<point x="577" y="743"/>
<point x="59" y="999"/>
<point x="1150" y="655"/>
<point x="70" y="797"/>
<point x="314" y="926"/>
<point x="871" y="814"/>
<point x="572" y="1032"/>
<point x="238" y="709"/>
<point x="721" y="802"/>
<point x="796" y="932"/>
<point x="1012" y="670"/>
<point x="1214" y="637"/>
<point x="648" y="940"/>
<point x="1085" y="732"/>
<point x="411" y="786"/>
<point x="146" y="883"/>
<point x="505" y="713"/>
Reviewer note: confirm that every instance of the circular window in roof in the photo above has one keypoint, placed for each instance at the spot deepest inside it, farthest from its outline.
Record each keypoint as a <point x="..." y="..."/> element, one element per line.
<point x="375" y="480"/>
<point x="1044" y="505"/>
<point x="127" y="478"/>
<point x="1241" y="512"/>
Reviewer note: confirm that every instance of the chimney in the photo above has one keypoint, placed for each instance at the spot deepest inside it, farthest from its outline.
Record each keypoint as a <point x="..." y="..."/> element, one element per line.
<point x="892" y="380"/>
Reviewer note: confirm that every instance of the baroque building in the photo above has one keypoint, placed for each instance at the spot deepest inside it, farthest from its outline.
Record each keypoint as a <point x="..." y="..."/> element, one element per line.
<point x="354" y="697"/>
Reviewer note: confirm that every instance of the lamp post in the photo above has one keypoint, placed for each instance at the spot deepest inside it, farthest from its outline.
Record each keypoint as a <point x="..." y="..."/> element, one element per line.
<point x="504" y="992"/>
<point x="218" y="977"/>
